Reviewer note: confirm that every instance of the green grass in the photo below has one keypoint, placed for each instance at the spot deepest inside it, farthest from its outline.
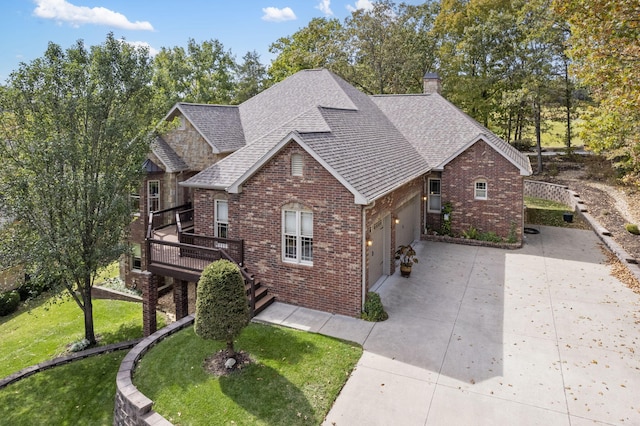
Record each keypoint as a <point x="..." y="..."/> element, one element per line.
<point x="294" y="379"/>
<point x="80" y="393"/>
<point x="42" y="333"/>
<point x="110" y="271"/>
<point x="550" y="213"/>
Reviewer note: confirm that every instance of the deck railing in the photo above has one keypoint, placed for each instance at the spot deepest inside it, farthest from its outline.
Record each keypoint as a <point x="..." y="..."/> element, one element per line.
<point x="192" y="252"/>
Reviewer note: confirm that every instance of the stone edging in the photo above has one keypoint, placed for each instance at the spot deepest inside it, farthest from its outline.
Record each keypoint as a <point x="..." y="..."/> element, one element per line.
<point x="76" y="356"/>
<point x="471" y="242"/>
<point x="132" y="407"/>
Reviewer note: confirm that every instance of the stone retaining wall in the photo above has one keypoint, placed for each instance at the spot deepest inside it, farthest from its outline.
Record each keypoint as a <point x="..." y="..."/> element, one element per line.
<point x="553" y="192"/>
<point x="132" y="407"/>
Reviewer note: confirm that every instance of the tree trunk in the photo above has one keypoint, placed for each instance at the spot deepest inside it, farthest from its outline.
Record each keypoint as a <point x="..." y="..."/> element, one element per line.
<point x="89" y="332"/>
<point x="536" y="113"/>
<point x="231" y="352"/>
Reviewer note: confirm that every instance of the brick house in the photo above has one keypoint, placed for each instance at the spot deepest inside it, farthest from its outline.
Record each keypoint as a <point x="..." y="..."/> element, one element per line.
<point x="311" y="185"/>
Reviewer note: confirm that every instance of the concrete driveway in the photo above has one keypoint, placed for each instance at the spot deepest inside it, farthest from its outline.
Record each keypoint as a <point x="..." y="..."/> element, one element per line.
<point x="480" y="336"/>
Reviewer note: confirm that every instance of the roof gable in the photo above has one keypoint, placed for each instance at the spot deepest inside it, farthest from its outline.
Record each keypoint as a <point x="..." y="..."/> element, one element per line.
<point x="219" y="125"/>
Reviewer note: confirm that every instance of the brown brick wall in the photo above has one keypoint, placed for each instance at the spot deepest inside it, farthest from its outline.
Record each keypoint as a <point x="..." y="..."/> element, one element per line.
<point x="503" y="208"/>
<point x="333" y="283"/>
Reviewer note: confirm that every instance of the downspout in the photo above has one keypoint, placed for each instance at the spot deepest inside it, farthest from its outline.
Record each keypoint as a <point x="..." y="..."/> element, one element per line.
<point x="364" y="249"/>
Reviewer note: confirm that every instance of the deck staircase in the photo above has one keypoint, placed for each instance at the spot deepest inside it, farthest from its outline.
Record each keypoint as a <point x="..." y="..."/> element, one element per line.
<point x="184" y="255"/>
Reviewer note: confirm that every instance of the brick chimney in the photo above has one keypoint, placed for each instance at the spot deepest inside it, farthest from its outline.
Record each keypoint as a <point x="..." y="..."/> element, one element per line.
<point x="432" y="83"/>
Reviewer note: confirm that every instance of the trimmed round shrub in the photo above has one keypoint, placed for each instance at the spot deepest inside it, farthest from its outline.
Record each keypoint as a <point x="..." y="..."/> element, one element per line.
<point x="373" y="309"/>
<point x="9" y="302"/>
<point x="222" y="308"/>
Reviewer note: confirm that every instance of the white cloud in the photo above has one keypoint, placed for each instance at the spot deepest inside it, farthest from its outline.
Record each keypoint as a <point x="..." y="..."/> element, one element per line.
<point x="273" y="14"/>
<point x="360" y="4"/>
<point x="152" y="51"/>
<point x="61" y="10"/>
<point x="325" y="7"/>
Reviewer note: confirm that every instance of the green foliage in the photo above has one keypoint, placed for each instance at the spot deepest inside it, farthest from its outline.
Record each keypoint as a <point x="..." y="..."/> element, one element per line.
<point x="289" y="382"/>
<point x="373" y="309"/>
<point x="222" y="310"/>
<point x="32" y="288"/>
<point x="632" y="228"/>
<point x="251" y="78"/>
<point x="80" y="393"/>
<point x="490" y="236"/>
<point x="203" y="73"/>
<point x="77" y="122"/>
<point x="447" y="210"/>
<point x="9" y="302"/>
<point x="471" y="234"/>
<point x="513" y="234"/>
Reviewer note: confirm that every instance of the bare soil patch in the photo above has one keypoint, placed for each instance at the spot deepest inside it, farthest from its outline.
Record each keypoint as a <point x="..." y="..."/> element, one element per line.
<point x="215" y="364"/>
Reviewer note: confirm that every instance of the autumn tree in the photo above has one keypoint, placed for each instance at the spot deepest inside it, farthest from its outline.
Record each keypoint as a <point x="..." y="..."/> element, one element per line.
<point x="73" y="126"/>
<point x="605" y="51"/>
<point x="222" y="310"/>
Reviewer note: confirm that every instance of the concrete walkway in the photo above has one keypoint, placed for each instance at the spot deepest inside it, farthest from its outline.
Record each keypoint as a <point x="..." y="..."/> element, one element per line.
<point x="480" y="336"/>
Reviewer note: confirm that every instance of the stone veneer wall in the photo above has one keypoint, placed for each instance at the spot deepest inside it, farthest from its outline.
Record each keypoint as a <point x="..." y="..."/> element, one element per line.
<point x="132" y="407"/>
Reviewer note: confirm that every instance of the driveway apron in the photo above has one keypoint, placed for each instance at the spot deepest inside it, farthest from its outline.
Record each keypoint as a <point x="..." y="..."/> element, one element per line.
<point x="542" y="335"/>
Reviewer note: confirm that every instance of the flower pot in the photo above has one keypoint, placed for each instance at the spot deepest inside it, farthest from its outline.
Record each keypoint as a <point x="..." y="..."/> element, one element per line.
<point x="567" y="217"/>
<point x="405" y="270"/>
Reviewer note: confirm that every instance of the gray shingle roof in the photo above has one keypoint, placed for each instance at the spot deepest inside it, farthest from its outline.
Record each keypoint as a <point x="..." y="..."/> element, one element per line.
<point x="220" y="125"/>
<point x="372" y="144"/>
<point x="170" y="159"/>
<point x="439" y="130"/>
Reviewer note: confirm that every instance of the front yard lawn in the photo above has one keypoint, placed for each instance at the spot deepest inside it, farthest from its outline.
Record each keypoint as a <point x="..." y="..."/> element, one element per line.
<point x="80" y="393"/>
<point x="294" y="379"/>
<point x="44" y="332"/>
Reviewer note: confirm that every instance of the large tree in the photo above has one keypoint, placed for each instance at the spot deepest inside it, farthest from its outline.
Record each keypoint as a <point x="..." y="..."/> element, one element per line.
<point x="251" y="78"/>
<point x="203" y="73"/>
<point x="606" y="53"/>
<point x="73" y="125"/>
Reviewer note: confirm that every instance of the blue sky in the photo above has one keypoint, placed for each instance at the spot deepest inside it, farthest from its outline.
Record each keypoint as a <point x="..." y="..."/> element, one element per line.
<point x="27" y="26"/>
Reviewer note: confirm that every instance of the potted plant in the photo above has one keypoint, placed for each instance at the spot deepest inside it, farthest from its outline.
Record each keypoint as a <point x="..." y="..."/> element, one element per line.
<point x="407" y="256"/>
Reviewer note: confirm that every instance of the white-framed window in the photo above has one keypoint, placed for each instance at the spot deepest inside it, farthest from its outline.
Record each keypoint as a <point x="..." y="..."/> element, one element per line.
<point x="480" y="189"/>
<point x="297" y="236"/>
<point x="434" y="197"/>
<point x="221" y="219"/>
<point x="136" y="257"/>
<point x="296" y="165"/>
<point x="153" y="195"/>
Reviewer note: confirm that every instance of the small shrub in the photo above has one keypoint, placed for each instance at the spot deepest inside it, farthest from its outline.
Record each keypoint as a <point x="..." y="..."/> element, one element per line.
<point x="513" y="235"/>
<point x="471" y="234"/>
<point x="373" y="309"/>
<point x="490" y="236"/>
<point x="9" y="302"/>
<point x="632" y="228"/>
